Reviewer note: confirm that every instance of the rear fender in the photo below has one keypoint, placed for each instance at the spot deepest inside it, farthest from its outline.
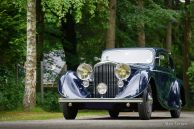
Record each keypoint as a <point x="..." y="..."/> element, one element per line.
<point x="174" y="97"/>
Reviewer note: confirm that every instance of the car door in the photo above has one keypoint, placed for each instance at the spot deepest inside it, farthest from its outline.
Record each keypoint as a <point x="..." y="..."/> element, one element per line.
<point x="165" y="76"/>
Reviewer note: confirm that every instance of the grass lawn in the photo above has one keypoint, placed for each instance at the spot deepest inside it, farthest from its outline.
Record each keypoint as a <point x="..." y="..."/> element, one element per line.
<point x="39" y="114"/>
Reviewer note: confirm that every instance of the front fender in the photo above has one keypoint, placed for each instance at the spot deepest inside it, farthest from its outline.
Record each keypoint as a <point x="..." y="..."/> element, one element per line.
<point x="136" y="85"/>
<point x="70" y="86"/>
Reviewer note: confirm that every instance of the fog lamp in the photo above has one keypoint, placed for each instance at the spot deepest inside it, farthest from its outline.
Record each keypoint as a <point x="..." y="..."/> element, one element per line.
<point x="120" y="83"/>
<point x="85" y="83"/>
<point x="102" y="88"/>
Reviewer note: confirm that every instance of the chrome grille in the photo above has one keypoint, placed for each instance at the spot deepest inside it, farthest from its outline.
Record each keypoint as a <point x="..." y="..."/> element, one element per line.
<point x="104" y="73"/>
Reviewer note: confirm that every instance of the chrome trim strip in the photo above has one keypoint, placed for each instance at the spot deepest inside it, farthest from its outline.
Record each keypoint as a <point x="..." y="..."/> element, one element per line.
<point x="162" y="72"/>
<point x="99" y="100"/>
<point x="105" y="62"/>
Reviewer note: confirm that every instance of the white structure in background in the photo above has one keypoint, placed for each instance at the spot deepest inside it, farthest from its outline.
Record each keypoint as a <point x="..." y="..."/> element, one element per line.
<point x="183" y="1"/>
<point x="52" y="67"/>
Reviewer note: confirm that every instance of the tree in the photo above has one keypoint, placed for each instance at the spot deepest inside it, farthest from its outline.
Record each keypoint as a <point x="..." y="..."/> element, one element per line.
<point x="168" y="28"/>
<point x="69" y="41"/>
<point x="39" y="40"/>
<point x="29" y="100"/>
<point x="68" y="19"/>
<point x="110" y="39"/>
<point x="186" y="40"/>
<point x="140" y="26"/>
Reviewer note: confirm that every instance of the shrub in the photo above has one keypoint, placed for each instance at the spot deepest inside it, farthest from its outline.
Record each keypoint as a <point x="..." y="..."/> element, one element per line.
<point x="50" y="102"/>
<point x="11" y="93"/>
<point x="191" y="77"/>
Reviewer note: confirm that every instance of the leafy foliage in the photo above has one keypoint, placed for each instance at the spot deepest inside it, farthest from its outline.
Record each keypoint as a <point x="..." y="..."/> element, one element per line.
<point x="11" y="93"/>
<point x="12" y="34"/>
<point x="191" y="76"/>
<point x="59" y="8"/>
<point x="50" y="102"/>
<point x="153" y="15"/>
<point x="12" y="49"/>
<point x="91" y="32"/>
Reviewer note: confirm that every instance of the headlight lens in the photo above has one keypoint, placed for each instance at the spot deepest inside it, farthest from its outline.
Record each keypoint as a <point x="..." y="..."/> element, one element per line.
<point x="84" y="71"/>
<point x="122" y="71"/>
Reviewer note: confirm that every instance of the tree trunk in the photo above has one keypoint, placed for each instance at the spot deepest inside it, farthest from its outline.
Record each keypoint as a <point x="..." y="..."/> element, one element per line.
<point x="169" y="37"/>
<point x="39" y="40"/>
<point x="140" y="27"/>
<point x="169" y="4"/>
<point x="186" y="62"/>
<point x="110" y="39"/>
<point x="29" y="100"/>
<point x="69" y="42"/>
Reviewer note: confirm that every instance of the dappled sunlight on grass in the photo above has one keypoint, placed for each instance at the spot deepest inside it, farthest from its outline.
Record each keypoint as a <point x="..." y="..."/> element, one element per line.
<point x="39" y="114"/>
<point x="13" y="116"/>
<point x="36" y="114"/>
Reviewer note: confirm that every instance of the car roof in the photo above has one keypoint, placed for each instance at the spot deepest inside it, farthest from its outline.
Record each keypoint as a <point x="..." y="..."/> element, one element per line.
<point x="145" y="48"/>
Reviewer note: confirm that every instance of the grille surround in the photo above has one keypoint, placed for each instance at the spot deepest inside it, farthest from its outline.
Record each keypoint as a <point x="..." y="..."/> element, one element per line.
<point x="105" y="73"/>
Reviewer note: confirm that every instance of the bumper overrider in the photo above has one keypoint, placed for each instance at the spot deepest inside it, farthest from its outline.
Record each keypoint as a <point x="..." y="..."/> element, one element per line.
<point x="100" y="100"/>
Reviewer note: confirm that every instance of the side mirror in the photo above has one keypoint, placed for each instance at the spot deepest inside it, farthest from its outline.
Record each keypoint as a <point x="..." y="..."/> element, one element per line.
<point x="160" y="57"/>
<point x="96" y="58"/>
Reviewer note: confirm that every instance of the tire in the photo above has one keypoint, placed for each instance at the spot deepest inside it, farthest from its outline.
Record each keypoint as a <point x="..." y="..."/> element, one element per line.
<point x="69" y="112"/>
<point x="175" y="113"/>
<point x="113" y="113"/>
<point x="145" y="108"/>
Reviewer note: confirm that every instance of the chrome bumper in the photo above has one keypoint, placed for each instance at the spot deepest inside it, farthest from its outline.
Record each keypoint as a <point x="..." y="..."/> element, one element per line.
<point x="100" y="100"/>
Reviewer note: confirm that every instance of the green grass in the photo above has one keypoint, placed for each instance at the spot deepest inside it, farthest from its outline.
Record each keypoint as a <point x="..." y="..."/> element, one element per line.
<point x="39" y="114"/>
<point x="13" y="116"/>
<point x="34" y="115"/>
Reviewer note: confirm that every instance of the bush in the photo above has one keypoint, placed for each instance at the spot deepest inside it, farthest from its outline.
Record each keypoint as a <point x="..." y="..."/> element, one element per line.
<point x="11" y="93"/>
<point x="191" y="77"/>
<point x="50" y="102"/>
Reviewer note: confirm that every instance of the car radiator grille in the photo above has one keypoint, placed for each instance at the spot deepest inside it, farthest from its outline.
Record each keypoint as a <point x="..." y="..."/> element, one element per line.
<point x="104" y="73"/>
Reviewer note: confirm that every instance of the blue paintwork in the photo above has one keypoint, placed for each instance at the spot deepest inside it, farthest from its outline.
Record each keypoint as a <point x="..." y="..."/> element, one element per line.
<point x="169" y="90"/>
<point x="70" y="86"/>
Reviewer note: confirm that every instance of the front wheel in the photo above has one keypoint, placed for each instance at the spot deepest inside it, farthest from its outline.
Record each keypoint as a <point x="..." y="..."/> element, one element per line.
<point x="69" y="111"/>
<point x="145" y="108"/>
<point x="175" y="113"/>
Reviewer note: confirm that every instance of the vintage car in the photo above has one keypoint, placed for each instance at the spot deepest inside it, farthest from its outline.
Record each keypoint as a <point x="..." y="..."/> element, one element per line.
<point x="124" y="79"/>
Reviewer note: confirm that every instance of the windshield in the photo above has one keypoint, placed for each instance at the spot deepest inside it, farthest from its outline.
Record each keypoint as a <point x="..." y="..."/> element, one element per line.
<point x="129" y="56"/>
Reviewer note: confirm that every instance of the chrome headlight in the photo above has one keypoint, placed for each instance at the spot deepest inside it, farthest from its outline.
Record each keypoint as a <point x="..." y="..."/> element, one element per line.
<point x="122" y="71"/>
<point x="84" y="71"/>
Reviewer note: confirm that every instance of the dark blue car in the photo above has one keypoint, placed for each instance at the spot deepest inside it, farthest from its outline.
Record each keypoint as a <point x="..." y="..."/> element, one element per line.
<point x="125" y="79"/>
